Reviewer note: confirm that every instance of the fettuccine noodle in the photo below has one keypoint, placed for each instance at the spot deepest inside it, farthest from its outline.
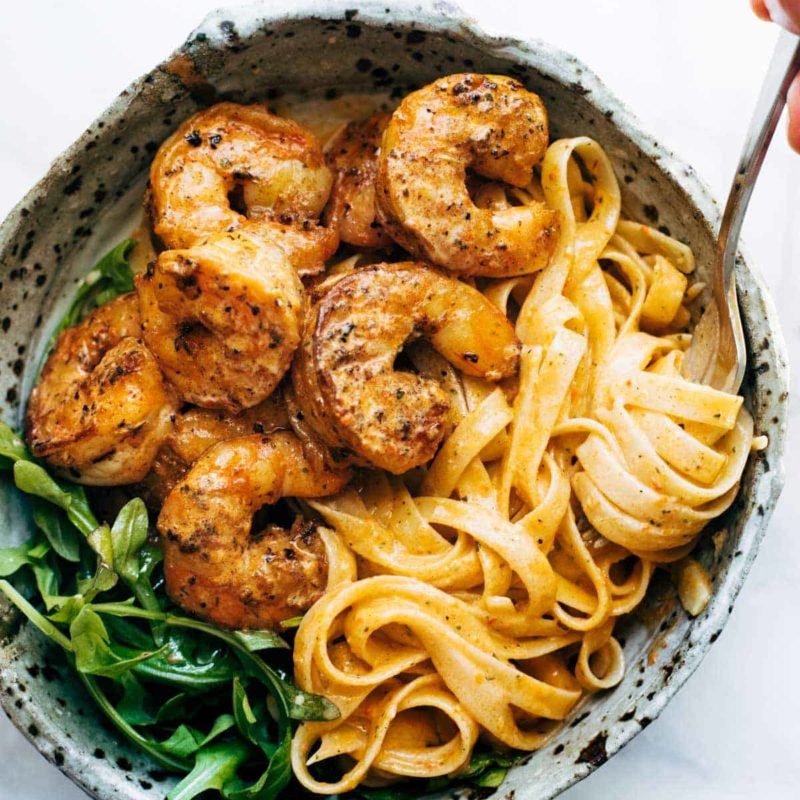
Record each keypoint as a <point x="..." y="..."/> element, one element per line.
<point x="479" y="597"/>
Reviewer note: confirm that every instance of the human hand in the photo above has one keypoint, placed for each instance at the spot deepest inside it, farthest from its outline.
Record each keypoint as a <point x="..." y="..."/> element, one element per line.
<point x="785" y="13"/>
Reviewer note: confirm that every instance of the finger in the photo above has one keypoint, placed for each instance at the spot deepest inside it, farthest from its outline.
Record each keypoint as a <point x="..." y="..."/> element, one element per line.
<point x="793" y="102"/>
<point x="785" y="13"/>
<point x="760" y="9"/>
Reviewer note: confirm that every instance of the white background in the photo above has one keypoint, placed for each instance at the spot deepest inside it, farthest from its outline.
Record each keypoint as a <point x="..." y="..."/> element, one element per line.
<point x="691" y="70"/>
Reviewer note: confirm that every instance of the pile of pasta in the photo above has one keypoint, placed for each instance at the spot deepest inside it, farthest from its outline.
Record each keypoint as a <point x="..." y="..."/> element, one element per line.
<point x="479" y="597"/>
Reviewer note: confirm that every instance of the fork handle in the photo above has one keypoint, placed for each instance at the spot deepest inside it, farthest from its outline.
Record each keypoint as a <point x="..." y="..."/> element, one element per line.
<point x="784" y="66"/>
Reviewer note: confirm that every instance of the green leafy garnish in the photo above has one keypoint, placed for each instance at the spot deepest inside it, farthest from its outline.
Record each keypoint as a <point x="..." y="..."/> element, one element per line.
<point x="183" y="674"/>
<point x="261" y="640"/>
<point x="305" y="706"/>
<point x="254" y="727"/>
<point x="180" y="706"/>
<point x="28" y="554"/>
<point x="292" y="622"/>
<point x="135" y="706"/>
<point x="110" y="278"/>
<point x="90" y="643"/>
<point x="214" y="767"/>
<point x="127" y="537"/>
<point x="31" y="478"/>
<point x="58" y="529"/>
<point x="292" y="702"/>
<point x="487" y="769"/>
<point x="12" y="448"/>
<point x="186" y="740"/>
<point x="272" y="780"/>
<point x="48" y="578"/>
<point x="34" y="617"/>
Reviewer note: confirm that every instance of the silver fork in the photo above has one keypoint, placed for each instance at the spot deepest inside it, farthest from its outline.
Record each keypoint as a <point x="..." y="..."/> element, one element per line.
<point x="717" y="355"/>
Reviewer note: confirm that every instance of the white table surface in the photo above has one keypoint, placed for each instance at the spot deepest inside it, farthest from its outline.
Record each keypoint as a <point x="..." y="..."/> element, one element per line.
<point x="691" y="70"/>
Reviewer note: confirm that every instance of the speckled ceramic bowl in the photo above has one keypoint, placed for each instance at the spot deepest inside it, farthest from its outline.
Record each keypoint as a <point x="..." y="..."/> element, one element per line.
<point x="85" y="201"/>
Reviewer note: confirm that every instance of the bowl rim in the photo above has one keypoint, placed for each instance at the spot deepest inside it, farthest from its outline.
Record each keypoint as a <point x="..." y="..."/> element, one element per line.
<point x="445" y="17"/>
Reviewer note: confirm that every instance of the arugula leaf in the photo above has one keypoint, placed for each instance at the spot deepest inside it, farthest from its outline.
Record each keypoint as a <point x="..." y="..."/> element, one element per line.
<point x="68" y="608"/>
<point x="133" y="559"/>
<point x="214" y="766"/>
<point x="33" y="479"/>
<point x="186" y="740"/>
<point x="128" y="534"/>
<point x="162" y="668"/>
<point x="117" y="549"/>
<point x="104" y="578"/>
<point x="12" y="448"/>
<point x="127" y="633"/>
<point x="135" y="705"/>
<point x="34" y="617"/>
<point x="243" y="712"/>
<point x="146" y="745"/>
<point x="287" y="696"/>
<point x="272" y="781"/>
<point x="253" y="727"/>
<point x="122" y="552"/>
<point x="483" y="760"/>
<point x="261" y="640"/>
<point x="305" y="706"/>
<point x="48" y="579"/>
<point x="178" y="706"/>
<point x="90" y="642"/>
<point x="56" y="527"/>
<point x="488" y="768"/>
<point x="111" y="277"/>
<point x="90" y="579"/>
<point x="150" y="556"/>
<point x="14" y="558"/>
<point x="492" y="778"/>
<point x="114" y="266"/>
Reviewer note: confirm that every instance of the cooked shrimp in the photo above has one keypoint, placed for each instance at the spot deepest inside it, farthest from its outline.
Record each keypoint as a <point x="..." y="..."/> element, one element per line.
<point x="218" y="568"/>
<point x="102" y="408"/>
<point x="344" y="377"/>
<point x="272" y="166"/>
<point x="353" y="156"/>
<point x="485" y="123"/>
<point x="195" y="430"/>
<point x="223" y="319"/>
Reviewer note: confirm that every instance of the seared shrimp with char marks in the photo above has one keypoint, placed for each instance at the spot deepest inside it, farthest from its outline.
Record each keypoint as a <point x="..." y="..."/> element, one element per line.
<point x="244" y="156"/>
<point x="491" y="125"/>
<point x="219" y="569"/>
<point x="353" y="156"/>
<point x="344" y="375"/>
<point x="101" y="409"/>
<point x="223" y="318"/>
